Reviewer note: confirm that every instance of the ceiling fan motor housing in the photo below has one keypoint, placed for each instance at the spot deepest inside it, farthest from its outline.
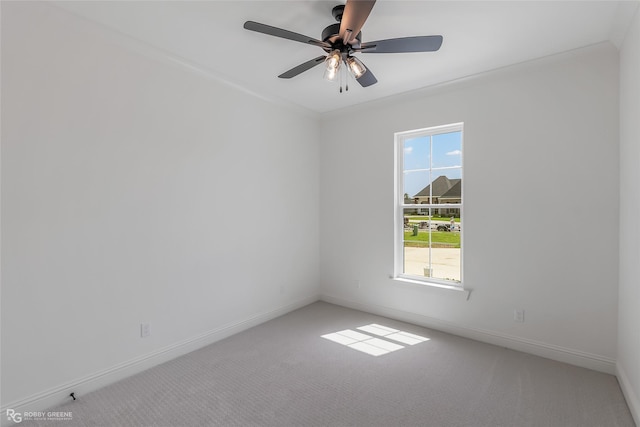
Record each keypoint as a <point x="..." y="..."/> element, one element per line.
<point x="331" y="34"/>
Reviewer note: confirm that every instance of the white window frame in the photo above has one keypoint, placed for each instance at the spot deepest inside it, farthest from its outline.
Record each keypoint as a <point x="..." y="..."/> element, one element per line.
<point x="400" y="206"/>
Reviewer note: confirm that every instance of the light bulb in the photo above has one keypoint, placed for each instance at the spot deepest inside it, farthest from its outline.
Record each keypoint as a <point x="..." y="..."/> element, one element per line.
<point x="356" y="67"/>
<point x="332" y="64"/>
<point x="330" y="74"/>
<point x="333" y="61"/>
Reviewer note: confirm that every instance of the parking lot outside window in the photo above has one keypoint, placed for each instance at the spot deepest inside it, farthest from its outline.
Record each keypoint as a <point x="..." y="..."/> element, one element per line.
<point x="428" y="225"/>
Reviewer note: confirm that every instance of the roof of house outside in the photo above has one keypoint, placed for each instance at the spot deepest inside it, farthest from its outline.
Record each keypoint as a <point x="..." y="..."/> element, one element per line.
<point x="441" y="186"/>
<point x="454" y="192"/>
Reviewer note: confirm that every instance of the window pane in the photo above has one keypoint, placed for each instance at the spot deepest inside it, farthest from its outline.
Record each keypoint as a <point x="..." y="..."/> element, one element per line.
<point x="431" y="246"/>
<point x="416" y="152"/>
<point x="447" y="150"/>
<point x="417" y="239"/>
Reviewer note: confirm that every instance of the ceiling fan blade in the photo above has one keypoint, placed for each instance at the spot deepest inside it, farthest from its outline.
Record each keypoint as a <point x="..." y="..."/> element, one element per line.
<point x="302" y="67"/>
<point x="354" y="16"/>
<point x="285" y="34"/>
<point x="403" y="44"/>
<point x="367" y="79"/>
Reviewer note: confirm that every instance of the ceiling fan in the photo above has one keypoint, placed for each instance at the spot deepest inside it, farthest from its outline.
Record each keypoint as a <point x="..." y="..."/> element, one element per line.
<point x="342" y="40"/>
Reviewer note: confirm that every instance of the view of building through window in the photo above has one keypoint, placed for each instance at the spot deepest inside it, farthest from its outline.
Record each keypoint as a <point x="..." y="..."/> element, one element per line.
<point x="429" y="247"/>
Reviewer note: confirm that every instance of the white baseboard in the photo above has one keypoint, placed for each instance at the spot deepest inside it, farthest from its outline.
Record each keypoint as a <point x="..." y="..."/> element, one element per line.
<point x="549" y="351"/>
<point x="629" y="394"/>
<point x="60" y="394"/>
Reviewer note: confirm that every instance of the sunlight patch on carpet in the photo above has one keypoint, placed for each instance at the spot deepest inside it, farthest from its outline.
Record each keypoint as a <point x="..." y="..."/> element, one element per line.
<point x="374" y="345"/>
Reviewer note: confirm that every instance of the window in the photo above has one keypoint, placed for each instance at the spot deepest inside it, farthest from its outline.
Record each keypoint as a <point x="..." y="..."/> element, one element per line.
<point x="428" y="216"/>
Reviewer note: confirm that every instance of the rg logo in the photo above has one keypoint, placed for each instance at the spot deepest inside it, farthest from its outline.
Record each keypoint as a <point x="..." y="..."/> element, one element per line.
<point x="14" y="416"/>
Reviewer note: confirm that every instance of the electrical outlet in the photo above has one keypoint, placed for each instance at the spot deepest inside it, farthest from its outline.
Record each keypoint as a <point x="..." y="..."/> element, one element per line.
<point x="357" y="284"/>
<point x="518" y="316"/>
<point x="145" y="330"/>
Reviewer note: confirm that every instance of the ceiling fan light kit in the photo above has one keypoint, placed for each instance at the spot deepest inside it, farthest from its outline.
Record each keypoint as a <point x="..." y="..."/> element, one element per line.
<point x="342" y="40"/>
<point x="333" y="66"/>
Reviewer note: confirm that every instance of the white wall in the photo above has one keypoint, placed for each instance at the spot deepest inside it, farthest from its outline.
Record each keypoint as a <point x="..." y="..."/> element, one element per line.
<point x="629" y="305"/>
<point x="120" y="175"/>
<point x="541" y="206"/>
<point x="119" y="172"/>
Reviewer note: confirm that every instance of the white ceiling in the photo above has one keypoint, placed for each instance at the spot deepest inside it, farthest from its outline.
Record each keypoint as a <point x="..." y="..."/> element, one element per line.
<point x="478" y="36"/>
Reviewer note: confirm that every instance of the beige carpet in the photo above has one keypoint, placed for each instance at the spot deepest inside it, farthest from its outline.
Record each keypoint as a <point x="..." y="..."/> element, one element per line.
<point x="285" y="373"/>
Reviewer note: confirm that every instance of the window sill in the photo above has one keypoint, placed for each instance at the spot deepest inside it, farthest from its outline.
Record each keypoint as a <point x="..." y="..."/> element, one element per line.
<point x="433" y="285"/>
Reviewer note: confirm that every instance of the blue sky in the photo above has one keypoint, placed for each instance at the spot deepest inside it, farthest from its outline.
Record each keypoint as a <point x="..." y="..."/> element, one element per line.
<point x="446" y="150"/>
